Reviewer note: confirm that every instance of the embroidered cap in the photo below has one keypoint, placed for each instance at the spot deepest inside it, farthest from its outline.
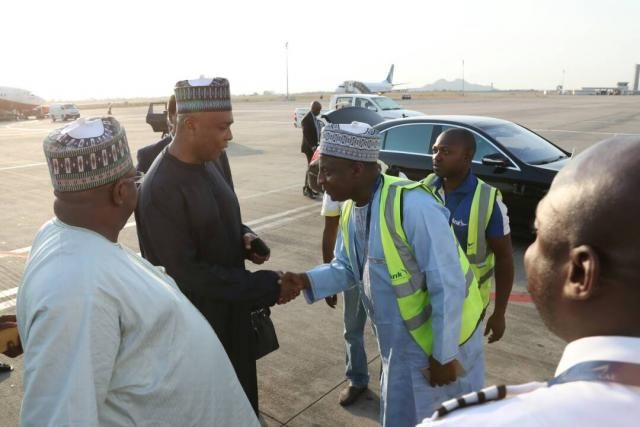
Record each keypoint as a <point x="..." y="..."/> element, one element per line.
<point x="202" y="95"/>
<point x="87" y="153"/>
<point x="356" y="141"/>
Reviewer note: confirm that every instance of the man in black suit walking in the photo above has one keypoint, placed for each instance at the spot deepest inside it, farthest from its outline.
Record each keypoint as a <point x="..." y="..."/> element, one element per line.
<point x="310" y="138"/>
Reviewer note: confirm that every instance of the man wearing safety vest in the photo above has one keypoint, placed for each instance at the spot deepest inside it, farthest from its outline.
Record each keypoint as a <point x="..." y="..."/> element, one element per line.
<point x="417" y="286"/>
<point x="478" y="218"/>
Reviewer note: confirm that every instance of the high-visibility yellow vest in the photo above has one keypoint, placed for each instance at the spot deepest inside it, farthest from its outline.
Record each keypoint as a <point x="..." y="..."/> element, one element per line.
<point x="408" y="282"/>
<point x="482" y="259"/>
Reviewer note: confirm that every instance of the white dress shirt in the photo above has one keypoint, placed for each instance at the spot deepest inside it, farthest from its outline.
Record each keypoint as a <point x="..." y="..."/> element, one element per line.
<point x="579" y="403"/>
<point x="109" y="340"/>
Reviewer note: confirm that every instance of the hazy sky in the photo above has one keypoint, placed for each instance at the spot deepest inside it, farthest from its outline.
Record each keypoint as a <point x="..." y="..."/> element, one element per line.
<point x="80" y="49"/>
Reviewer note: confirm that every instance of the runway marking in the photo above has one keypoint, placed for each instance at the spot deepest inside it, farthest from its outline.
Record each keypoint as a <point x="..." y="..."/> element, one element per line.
<point x="259" y="224"/>
<point x="516" y="297"/>
<point x="283" y="220"/>
<point x="7" y="304"/>
<point x="263" y="111"/>
<point x="26" y="129"/>
<point x="8" y="293"/>
<point x="16" y="252"/>
<point x="587" y="132"/>
<point x="274" y="122"/>
<point x="11" y="254"/>
<point x="30" y="165"/>
<point x="282" y="214"/>
<point x="262" y="193"/>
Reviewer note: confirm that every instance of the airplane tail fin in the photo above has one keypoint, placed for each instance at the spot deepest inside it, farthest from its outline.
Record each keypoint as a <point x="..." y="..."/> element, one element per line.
<point x="390" y="75"/>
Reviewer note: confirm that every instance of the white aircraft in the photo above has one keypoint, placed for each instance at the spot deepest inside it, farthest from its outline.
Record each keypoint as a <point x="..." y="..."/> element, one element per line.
<point x="355" y="86"/>
<point x="18" y="102"/>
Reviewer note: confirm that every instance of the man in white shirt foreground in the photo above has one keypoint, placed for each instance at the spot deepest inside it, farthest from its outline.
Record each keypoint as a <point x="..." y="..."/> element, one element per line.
<point x="108" y="338"/>
<point x="583" y="274"/>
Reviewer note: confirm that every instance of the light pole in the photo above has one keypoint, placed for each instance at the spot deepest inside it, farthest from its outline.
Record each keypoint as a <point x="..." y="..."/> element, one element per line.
<point x="286" y="54"/>
<point x="463" y="77"/>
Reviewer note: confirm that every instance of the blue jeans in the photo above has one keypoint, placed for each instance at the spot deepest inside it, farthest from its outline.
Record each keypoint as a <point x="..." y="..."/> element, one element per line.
<point x="355" y="317"/>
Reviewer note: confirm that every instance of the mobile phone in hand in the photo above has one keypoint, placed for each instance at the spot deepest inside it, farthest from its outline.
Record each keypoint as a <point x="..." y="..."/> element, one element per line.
<point x="259" y="247"/>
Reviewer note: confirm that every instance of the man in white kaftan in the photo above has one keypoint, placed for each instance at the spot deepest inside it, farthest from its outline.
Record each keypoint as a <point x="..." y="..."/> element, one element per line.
<point x="109" y="339"/>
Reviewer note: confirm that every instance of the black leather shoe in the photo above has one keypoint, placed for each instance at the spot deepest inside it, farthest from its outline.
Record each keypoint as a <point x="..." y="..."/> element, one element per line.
<point x="350" y="394"/>
<point x="307" y="192"/>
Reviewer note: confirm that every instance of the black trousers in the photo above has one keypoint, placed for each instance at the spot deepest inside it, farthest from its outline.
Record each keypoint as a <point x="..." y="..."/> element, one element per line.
<point x="309" y="155"/>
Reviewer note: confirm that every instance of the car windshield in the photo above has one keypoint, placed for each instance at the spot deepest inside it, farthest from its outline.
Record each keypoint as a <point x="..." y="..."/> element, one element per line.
<point x="386" y="103"/>
<point x="524" y="144"/>
<point x="67" y="106"/>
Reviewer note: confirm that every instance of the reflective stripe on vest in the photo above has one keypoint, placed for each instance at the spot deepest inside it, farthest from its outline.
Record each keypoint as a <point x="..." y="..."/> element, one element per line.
<point x="482" y="260"/>
<point x="484" y="199"/>
<point x="408" y="282"/>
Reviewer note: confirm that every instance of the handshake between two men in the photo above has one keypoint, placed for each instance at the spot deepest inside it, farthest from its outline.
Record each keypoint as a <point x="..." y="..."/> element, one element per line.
<point x="291" y="284"/>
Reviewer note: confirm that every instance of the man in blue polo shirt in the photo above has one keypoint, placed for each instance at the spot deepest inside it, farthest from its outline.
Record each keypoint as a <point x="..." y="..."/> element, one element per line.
<point x="479" y="220"/>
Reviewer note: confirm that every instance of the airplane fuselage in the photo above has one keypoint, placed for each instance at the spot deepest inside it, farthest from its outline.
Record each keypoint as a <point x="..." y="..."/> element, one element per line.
<point x="355" y="86"/>
<point x="18" y="99"/>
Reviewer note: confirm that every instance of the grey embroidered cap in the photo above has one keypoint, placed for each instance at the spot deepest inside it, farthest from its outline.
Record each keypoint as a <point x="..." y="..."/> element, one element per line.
<point x="87" y="153"/>
<point x="356" y="141"/>
<point x="202" y="95"/>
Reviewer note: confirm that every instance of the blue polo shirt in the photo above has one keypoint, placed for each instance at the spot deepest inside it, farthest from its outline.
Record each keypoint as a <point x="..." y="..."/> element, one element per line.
<point x="458" y="202"/>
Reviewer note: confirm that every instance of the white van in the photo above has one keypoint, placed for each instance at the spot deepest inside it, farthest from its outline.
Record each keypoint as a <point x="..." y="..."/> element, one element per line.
<point x="63" y="112"/>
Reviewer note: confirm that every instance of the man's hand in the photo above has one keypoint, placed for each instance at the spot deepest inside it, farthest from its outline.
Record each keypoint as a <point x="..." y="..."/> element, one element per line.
<point x="252" y="256"/>
<point x="496" y="325"/>
<point x="14" y="346"/>
<point x="443" y="374"/>
<point x="290" y="286"/>
<point x="332" y="301"/>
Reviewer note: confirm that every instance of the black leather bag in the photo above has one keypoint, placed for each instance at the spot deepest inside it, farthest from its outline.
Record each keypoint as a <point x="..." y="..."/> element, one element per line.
<point x="264" y="332"/>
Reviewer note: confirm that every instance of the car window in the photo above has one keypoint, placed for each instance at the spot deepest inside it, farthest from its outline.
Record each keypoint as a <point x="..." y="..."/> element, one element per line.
<point x="386" y="103"/>
<point x="365" y="103"/>
<point x="483" y="147"/>
<point x="343" y="101"/>
<point x="158" y="108"/>
<point x="524" y="144"/>
<point x="413" y="138"/>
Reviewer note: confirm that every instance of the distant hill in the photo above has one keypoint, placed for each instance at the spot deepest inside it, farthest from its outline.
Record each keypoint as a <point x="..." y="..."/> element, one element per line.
<point x="453" y="85"/>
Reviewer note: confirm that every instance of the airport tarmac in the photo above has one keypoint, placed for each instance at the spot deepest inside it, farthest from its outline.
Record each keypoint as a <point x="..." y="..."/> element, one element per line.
<point x="300" y="383"/>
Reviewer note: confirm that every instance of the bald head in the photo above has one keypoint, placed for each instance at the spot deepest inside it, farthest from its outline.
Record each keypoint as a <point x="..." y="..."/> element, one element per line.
<point x="594" y="200"/>
<point x="453" y="153"/>
<point x="583" y="269"/>
<point x="460" y="136"/>
<point x="316" y="107"/>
